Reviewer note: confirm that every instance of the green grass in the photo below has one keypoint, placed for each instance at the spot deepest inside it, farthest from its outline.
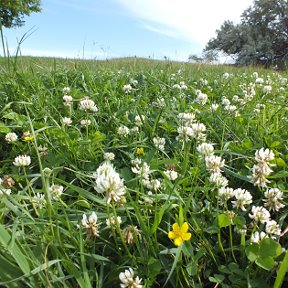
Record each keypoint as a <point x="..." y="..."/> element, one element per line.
<point x="43" y="240"/>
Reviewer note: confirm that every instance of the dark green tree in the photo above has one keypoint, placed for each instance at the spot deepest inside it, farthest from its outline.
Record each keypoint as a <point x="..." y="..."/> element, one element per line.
<point x="260" y="38"/>
<point x="12" y="12"/>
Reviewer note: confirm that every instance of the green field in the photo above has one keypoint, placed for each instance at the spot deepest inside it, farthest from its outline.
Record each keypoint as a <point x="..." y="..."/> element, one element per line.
<point x="142" y="173"/>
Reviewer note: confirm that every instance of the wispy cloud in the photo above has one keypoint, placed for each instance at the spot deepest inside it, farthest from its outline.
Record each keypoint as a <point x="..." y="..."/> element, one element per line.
<point x="191" y="20"/>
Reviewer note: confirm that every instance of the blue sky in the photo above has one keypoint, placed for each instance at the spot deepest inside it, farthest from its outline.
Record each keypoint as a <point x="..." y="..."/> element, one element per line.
<point x="100" y="29"/>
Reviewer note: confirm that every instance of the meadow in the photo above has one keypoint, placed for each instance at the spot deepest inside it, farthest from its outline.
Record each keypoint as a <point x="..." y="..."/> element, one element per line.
<point x="140" y="173"/>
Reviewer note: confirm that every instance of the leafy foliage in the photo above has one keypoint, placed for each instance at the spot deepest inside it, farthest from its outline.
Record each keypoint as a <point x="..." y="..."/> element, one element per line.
<point x="13" y="11"/>
<point x="260" y="38"/>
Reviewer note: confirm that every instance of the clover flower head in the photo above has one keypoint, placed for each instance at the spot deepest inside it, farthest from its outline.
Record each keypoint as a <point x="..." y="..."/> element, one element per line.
<point x="91" y="225"/>
<point x="257" y="237"/>
<point x="66" y="121"/>
<point x="243" y="197"/>
<point x="159" y="143"/>
<point x="273" y="196"/>
<point x="139" y="119"/>
<point x="11" y="137"/>
<point x="67" y="100"/>
<point x="259" y="214"/>
<point x="108" y="181"/>
<point x="179" y="233"/>
<point x="109" y="156"/>
<point x="38" y="201"/>
<point x="56" y="191"/>
<point x="128" y="281"/>
<point x="171" y="174"/>
<point x="214" y="163"/>
<point x="88" y="105"/>
<point x="127" y="88"/>
<point x="113" y="221"/>
<point x="205" y="149"/>
<point x="272" y="228"/>
<point x="129" y="233"/>
<point x="22" y="161"/>
<point x="85" y="122"/>
<point x="123" y="131"/>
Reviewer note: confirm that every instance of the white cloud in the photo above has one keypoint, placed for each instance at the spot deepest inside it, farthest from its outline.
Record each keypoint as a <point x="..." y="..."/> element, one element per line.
<point x="191" y="20"/>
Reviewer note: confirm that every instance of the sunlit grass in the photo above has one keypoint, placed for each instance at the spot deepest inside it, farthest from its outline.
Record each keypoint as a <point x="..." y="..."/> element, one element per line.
<point x="153" y="168"/>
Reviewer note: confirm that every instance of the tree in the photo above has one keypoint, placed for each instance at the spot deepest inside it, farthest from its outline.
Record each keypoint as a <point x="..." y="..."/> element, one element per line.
<point x="260" y="38"/>
<point x="12" y="12"/>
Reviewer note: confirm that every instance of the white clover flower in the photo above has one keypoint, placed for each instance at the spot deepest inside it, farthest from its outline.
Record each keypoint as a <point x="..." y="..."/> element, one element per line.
<point x="214" y="163"/>
<point x="91" y="225"/>
<point x="38" y="201"/>
<point x="88" y="105"/>
<point x="66" y="90"/>
<point x="262" y="169"/>
<point x="66" y="121"/>
<point x="11" y="137"/>
<point x="243" y="197"/>
<point x="264" y="155"/>
<point x="85" y="122"/>
<point x="109" y="156"/>
<point x="183" y="85"/>
<point x="22" y="160"/>
<point x="154" y="184"/>
<point x="129" y="233"/>
<point x="135" y="129"/>
<point x="176" y="86"/>
<point x="205" y="149"/>
<point x="218" y="179"/>
<point x="197" y="131"/>
<point x="267" y="89"/>
<point x="255" y="74"/>
<point x="272" y="199"/>
<point x="142" y="170"/>
<point x="128" y="281"/>
<point x="257" y="237"/>
<point x="171" y="174"/>
<point x="112" y="222"/>
<point x="67" y="100"/>
<point x="259" y="80"/>
<point x="136" y="161"/>
<point x="134" y="82"/>
<point x="226" y="75"/>
<point x="108" y="181"/>
<point x="186" y="118"/>
<point x="160" y="102"/>
<point x="214" y="106"/>
<point x="123" y="130"/>
<point x="258" y="177"/>
<point x="259" y="214"/>
<point x="224" y="194"/>
<point x="159" y="143"/>
<point x="272" y="228"/>
<point x="127" y="88"/>
<point x="201" y="97"/>
<point x="56" y="191"/>
<point x="225" y="101"/>
<point x="139" y="119"/>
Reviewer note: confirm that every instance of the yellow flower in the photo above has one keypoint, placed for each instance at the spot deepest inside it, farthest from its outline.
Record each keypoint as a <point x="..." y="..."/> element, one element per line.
<point x="28" y="138"/>
<point x="179" y="234"/>
<point x="140" y="151"/>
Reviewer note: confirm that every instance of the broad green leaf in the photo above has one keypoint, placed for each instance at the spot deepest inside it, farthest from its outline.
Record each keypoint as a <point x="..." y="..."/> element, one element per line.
<point x="266" y="263"/>
<point x="252" y="252"/>
<point x="269" y="247"/>
<point x="223" y="220"/>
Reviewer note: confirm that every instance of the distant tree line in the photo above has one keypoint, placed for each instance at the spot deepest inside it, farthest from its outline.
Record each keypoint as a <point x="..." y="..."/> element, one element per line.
<point x="261" y="38"/>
